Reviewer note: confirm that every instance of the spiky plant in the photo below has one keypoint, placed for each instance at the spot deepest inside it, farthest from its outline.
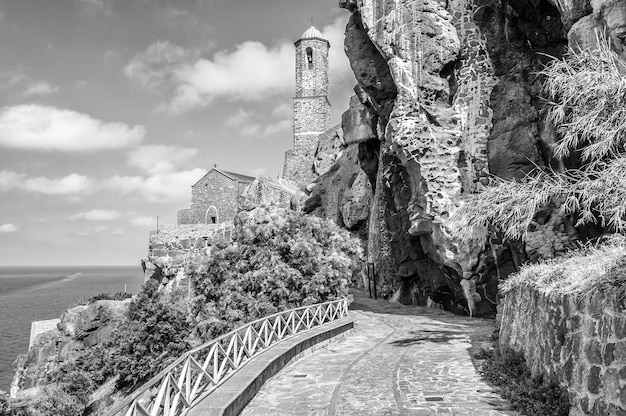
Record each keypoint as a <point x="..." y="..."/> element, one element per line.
<point x="586" y="101"/>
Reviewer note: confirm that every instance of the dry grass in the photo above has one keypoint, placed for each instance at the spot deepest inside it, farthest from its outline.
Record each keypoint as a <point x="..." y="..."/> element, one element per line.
<point x="579" y="272"/>
<point x="586" y="95"/>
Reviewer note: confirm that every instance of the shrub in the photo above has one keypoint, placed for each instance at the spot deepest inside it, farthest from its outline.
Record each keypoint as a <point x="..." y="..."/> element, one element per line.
<point x="532" y="395"/>
<point x="586" y="102"/>
<point x="102" y="296"/>
<point x="289" y="262"/>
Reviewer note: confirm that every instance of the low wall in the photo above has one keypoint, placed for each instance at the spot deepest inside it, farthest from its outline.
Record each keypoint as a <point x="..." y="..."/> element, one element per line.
<point x="581" y="339"/>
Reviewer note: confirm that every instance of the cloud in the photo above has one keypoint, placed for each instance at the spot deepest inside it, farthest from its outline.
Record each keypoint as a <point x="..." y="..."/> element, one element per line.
<point x="283" y="110"/>
<point x="160" y="187"/>
<point x="97" y="215"/>
<point x="153" y="68"/>
<point x="339" y="70"/>
<point x="40" y="88"/>
<point x="251" y="71"/>
<point x="9" y="79"/>
<point x="263" y="130"/>
<point x="143" y="221"/>
<point x="70" y="184"/>
<point x="157" y="158"/>
<point x="8" y="228"/>
<point x="36" y="127"/>
<point x="96" y="6"/>
<point x="248" y="124"/>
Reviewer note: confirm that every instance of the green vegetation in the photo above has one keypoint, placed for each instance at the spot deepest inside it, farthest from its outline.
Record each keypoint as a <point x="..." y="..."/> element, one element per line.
<point x="298" y="260"/>
<point x="592" y="267"/>
<point x="284" y="263"/>
<point x="102" y="296"/>
<point x="531" y="395"/>
<point x="586" y="101"/>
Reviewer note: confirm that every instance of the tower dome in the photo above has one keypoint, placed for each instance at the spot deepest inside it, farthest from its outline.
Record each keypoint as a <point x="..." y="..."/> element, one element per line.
<point x="311" y="32"/>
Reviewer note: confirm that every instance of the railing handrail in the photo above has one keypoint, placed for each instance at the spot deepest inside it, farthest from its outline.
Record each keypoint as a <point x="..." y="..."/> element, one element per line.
<point x="341" y="305"/>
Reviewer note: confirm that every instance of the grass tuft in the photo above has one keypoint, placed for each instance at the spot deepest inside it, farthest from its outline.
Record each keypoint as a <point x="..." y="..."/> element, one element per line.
<point x="586" y="101"/>
<point x="590" y="268"/>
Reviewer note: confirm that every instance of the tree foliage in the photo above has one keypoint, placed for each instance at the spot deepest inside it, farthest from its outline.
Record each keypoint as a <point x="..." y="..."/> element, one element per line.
<point x="586" y="101"/>
<point x="289" y="261"/>
<point x="272" y="266"/>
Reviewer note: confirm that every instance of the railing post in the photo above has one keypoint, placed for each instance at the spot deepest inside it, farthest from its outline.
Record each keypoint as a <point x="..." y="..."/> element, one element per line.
<point x="179" y="388"/>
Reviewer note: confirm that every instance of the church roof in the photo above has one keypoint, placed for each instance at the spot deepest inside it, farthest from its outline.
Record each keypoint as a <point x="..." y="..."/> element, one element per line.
<point x="234" y="176"/>
<point x="311" y="32"/>
<point x="239" y="177"/>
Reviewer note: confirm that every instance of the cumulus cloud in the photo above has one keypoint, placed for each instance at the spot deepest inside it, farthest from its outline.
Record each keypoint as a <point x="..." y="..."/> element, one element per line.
<point x="40" y="89"/>
<point x="37" y="127"/>
<point x="251" y="71"/>
<point x="153" y="68"/>
<point x="155" y="158"/>
<point x="143" y="221"/>
<point x="249" y="123"/>
<point x="97" y="215"/>
<point x="160" y="187"/>
<point x="339" y="67"/>
<point x="8" y="228"/>
<point x="283" y="110"/>
<point x="68" y="185"/>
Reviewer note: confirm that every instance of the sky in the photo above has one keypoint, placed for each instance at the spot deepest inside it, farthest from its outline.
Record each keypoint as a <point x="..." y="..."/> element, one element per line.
<point x="111" y="109"/>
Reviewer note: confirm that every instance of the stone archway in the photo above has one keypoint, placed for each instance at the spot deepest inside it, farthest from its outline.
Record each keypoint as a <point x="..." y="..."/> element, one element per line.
<point x="211" y="216"/>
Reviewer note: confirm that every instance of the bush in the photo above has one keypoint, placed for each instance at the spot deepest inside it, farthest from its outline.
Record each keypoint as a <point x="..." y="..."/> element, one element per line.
<point x="102" y="296"/>
<point x="586" y="102"/>
<point x="532" y="395"/>
<point x="293" y="261"/>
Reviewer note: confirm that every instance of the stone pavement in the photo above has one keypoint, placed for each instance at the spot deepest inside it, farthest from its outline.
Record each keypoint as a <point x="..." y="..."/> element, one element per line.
<point x="398" y="360"/>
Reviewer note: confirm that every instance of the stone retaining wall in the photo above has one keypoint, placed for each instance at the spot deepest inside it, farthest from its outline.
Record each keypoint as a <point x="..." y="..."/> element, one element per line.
<point x="581" y="339"/>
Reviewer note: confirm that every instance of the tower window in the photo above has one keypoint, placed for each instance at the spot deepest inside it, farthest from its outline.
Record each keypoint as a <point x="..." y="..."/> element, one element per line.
<point x="309" y="57"/>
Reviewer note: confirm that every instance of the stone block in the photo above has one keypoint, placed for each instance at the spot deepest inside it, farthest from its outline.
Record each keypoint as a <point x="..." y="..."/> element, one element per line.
<point x="609" y="353"/>
<point x="593" y="351"/>
<point x="593" y="380"/>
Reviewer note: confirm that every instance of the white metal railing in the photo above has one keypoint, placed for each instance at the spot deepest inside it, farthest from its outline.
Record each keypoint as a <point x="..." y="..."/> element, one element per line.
<point x="197" y="373"/>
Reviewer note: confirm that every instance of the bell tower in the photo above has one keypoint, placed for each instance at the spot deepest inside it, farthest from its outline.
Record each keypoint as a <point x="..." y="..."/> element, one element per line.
<point x="311" y="108"/>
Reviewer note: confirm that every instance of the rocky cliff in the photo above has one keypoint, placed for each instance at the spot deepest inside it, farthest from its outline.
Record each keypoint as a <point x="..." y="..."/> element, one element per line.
<point x="447" y="96"/>
<point x="80" y="327"/>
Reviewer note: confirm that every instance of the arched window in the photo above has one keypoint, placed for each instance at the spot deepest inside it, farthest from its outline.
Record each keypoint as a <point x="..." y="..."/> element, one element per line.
<point x="211" y="216"/>
<point x="309" y="57"/>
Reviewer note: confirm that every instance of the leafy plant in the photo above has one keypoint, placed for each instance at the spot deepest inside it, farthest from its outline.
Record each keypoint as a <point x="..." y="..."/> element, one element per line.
<point x="272" y="266"/>
<point x="532" y="395"/>
<point x="586" y="102"/>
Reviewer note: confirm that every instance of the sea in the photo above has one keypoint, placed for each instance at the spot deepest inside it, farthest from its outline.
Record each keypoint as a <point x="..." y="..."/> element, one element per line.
<point x="30" y="294"/>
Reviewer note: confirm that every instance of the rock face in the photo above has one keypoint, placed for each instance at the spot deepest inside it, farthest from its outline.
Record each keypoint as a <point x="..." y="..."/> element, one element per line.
<point x="447" y="97"/>
<point x="80" y="327"/>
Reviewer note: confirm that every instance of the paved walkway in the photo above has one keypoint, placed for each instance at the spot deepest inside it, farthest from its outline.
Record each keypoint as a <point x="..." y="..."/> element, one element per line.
<point x="398" y="360"/>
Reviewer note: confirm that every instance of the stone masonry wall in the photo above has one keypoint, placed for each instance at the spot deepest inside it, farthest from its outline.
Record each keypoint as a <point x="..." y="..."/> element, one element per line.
<point x="579" y="339"/>
<point x="312" y="79"/>
<point x="310" y="114"/>
<point x="214" y="190"/>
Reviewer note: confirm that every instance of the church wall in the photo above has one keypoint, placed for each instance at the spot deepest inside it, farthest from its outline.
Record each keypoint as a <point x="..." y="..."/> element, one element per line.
<point x="216" y="190"/>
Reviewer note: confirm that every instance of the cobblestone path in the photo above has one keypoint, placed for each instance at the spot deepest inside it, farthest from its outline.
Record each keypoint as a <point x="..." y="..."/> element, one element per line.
<point x="398" y="360"/>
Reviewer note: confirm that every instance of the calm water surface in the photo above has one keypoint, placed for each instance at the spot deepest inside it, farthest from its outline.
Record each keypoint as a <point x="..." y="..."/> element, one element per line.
<point x="37" y="293"/>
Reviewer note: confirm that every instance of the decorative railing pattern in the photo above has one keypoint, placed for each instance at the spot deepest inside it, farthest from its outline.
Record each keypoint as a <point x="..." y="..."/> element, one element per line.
<point x="192" y="377"/>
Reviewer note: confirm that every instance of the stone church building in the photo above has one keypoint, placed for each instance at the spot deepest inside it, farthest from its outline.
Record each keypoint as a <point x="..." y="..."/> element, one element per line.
<point x="214" y="198"/>
<point x="217" y="196"/>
